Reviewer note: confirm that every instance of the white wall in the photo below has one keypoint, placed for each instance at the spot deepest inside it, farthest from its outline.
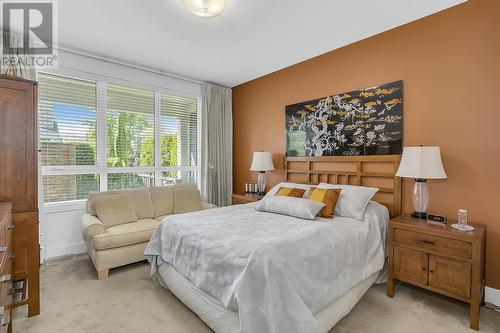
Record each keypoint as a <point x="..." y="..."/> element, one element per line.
<point x="60" y="232"/>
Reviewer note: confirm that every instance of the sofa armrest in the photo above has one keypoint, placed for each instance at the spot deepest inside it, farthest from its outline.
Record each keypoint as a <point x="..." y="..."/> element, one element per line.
<point x="91" y="226"/>
<point x="206" y="205"/>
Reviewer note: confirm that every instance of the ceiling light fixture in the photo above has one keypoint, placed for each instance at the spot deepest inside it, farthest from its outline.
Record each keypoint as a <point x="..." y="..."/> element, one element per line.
<point x="205" y="8"/>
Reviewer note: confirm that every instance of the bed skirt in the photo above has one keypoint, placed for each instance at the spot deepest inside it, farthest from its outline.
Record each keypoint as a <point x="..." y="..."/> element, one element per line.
<point x="223" y="320"/>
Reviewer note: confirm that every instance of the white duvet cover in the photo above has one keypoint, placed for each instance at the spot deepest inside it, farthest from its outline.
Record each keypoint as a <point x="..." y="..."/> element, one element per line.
<point x="276" y="271"/>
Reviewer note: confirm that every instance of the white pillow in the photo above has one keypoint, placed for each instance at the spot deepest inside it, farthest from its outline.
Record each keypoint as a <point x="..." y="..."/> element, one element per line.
<point x="352" y="200"/>
<point x="272" y="192"/>
<point x="296" y="207"/>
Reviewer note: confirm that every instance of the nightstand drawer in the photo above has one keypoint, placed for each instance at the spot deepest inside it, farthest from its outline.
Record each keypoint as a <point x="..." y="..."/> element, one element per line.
<point x="443" y="245"/>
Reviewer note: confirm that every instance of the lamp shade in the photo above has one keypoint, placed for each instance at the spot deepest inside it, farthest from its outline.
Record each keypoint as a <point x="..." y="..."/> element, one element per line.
<point x="262" y="161"/>
<point x="421" y="162"/>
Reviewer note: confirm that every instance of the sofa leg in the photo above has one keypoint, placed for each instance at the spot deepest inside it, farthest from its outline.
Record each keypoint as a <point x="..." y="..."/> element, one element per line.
<point x="103" y="275"/>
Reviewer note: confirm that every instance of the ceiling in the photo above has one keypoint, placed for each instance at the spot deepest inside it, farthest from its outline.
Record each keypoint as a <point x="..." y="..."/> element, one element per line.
<point x="248" y="40"/>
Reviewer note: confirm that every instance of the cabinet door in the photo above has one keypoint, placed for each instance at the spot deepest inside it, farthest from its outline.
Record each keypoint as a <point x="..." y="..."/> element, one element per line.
<point x="410" y="265"/>
<point x="18" y="160"/>
<point x="450" y="276"/>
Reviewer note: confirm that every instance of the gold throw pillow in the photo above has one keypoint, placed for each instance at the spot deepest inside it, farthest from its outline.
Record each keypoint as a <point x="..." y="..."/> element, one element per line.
<point x="327" y="196"/>
<point x="290" y="192"/>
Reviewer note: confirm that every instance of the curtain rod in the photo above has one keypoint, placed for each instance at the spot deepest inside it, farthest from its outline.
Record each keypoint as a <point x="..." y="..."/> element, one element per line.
<point x="127" y="64"/>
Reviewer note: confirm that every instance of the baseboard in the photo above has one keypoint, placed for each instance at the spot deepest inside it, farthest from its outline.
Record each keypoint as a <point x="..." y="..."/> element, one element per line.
<point x="492" y="296"/>
<point x="77" y="248"/>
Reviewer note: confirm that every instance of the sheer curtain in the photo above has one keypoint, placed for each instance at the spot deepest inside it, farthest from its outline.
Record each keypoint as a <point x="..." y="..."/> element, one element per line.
<point x="217" y="145"/>
<point x="14" y="67"/>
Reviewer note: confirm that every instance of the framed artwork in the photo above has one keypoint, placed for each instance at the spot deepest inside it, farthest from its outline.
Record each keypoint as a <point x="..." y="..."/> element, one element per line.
<point x="362" y="122"/>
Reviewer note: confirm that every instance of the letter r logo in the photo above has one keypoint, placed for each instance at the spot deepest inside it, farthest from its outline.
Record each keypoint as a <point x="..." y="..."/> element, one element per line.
<point x="34" y="21"/>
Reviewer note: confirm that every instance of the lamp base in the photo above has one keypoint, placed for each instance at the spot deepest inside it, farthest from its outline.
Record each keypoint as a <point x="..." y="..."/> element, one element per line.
<point x="420" y="198"/>
<point x="419" y="215"/>
<point x="261" y="182"/>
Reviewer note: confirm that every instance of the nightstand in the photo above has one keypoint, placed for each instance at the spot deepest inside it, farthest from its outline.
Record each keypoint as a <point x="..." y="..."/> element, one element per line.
<point x="438" y="258"/>
<point x="245" y="198"/>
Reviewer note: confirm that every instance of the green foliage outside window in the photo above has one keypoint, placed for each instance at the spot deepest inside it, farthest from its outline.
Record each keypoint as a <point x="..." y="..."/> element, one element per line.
<point x="168" y="150"/>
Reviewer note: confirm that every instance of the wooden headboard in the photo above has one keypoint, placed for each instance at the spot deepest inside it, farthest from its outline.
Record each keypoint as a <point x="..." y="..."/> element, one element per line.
<point x="375" y="170"/>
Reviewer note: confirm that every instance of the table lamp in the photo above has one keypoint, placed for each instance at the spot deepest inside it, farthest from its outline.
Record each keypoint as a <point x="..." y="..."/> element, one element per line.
<point x="421" y="163"/>
<point x="262" y="162"/>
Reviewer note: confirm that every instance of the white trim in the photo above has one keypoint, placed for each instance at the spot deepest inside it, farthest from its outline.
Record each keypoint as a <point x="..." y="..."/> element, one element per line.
<point x="82" y="169"/>
<point x="130" y="169"/>
<point x="492" y="295"/>
<point x="59" y="251"/>
<point x="157" y="138"/>
<point x="64" y="206"/>
<point x="53" y="170"/>
<point x="102" y="134"/>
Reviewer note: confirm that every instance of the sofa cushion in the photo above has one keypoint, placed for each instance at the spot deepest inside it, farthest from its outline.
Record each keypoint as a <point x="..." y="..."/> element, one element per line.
<point x="163" y="200"/>
<point x="114" y="210"/>
<point x="125" y="234"/>
<point x="186" y="200"/>
<point x="140" y="198"/>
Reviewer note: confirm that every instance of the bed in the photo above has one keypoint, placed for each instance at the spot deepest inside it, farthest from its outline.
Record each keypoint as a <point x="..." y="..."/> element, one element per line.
<point x="241" y="270"/>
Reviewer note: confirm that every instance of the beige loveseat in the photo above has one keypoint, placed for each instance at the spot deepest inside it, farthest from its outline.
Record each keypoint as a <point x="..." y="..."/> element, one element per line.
<point x="118" y="244"/>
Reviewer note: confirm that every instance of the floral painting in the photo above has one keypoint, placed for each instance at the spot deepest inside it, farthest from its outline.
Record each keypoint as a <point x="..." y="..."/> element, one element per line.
<point x="362" y="122"/>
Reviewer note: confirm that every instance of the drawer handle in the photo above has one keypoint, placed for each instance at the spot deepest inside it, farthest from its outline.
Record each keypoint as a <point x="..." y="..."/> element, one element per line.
<point x="10" y="227"/>
<point x="424" y="269"/>
<point x="428" y="242"/>
<point x="6" y="321"/>
<point x="3" y="249"/>
<point x="5" y="277"/>
<point x="431" y="271"/>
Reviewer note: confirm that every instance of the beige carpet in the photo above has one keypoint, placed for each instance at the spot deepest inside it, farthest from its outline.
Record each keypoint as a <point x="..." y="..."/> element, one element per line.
<point x="74" y="301"/>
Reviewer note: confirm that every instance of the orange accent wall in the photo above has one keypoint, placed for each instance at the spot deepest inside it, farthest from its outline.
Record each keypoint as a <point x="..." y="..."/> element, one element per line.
<point x="450" y="65"/>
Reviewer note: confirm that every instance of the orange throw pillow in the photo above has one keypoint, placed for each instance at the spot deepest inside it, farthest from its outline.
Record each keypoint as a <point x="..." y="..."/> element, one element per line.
<point x="290" y="192"/>
<point x="327" y="196"/>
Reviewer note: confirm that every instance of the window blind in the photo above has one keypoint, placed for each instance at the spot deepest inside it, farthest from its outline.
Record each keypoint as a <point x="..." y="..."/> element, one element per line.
<point x="130" y="121"/>
<point x="67" y="120"/>
<point x="179" y="130"/>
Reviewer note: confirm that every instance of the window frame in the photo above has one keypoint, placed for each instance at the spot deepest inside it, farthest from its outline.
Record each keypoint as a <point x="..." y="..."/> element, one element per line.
<point x="101" y="166"/>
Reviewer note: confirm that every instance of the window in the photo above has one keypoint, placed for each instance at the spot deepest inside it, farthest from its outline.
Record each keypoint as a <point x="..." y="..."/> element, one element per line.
<point x="130" y="120"/>
<point x="179" y="131"/>
<point x="174" y="177"/>
<point x="68" y="138"/>
<point x="103" y="136"/>
<point x="67" y="121"/>
<point x="69" y="187"/>
<point x="117" y="181"/>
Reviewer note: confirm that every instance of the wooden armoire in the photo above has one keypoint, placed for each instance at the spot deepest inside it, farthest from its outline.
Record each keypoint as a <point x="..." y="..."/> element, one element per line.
<point x="19" y="185"/>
